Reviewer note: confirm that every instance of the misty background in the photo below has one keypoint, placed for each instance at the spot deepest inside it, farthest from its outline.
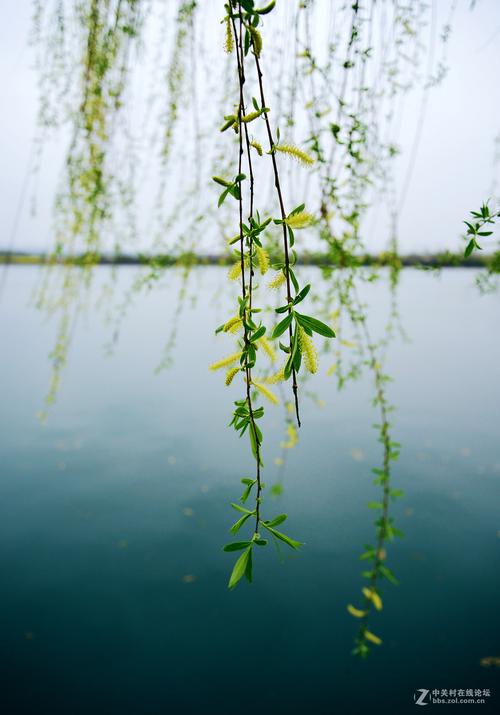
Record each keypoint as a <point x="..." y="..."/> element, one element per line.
<point x="454" y="170"/>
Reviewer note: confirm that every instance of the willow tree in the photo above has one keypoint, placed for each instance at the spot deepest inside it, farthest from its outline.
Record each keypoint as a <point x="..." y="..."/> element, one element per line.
<point x="266" y="128"/>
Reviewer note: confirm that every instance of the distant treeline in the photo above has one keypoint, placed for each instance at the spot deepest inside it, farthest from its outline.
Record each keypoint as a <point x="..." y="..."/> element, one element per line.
<point x="434" y="260"/>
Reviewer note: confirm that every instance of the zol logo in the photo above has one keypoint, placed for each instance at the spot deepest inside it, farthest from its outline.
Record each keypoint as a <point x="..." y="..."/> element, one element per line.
<point x="420" y="695"/>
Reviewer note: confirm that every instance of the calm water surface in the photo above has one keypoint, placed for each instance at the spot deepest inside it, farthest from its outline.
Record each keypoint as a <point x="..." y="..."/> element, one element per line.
<point x="112" y="514"/>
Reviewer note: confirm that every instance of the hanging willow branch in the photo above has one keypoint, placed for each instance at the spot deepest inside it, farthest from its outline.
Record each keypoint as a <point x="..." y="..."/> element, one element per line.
<point x="243" y="36"/>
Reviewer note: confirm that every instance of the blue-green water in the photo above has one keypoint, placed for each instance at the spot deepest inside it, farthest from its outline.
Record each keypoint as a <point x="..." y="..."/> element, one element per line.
<point x="112" y="515"/>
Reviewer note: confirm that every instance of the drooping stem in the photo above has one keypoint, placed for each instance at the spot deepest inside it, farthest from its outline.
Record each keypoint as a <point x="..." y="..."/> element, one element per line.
<point x="277" y="185"/>
<point x="385" y="530"/>
<point x="248" y="372"/>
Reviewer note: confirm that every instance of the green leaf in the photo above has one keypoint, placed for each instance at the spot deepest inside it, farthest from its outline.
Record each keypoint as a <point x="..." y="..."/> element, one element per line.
<point x="222" y="182"/>
<point x="396" y="493"/>
<point x="385" y="571"/>
<point x="238" y="524"/>
<point x="236" y="546"/>
<point x="246" y="494"/>
<point x="294" y="279"/>
<point x="277" y="520"/>
<point x="297" y="210"/>
<point x="255" y="441"/>
<point x="239" y="568"/>
<point x="283" y="537"/>
<point x="282" y="309"/>
<point x="258" y="333"/>
<point x="306" y="321"/>
<point x="251" y="355"/>
<point x="222" y="198"/>
<point x="266" y="9"/>
<point x="241" y="508"/>
<point x="297" y="360"/>
<point x="282" y="326"/>
<point x="300" y="296"/>
<point x="369" y="554"/>
<point x="469" y="248"/>
<point x="247" y="5"/>
<point x="248" y="569"/>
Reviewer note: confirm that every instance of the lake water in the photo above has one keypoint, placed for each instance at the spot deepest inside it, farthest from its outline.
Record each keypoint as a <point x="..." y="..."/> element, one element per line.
<point x="113" y="513"/>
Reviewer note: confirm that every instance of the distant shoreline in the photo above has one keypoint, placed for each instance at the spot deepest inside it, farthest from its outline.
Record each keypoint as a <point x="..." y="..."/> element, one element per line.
<point x="434" y="260"/>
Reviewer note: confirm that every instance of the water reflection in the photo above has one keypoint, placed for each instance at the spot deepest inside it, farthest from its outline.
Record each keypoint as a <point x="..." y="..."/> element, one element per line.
<point x="121" y="547"/>
<point x="337" y="296"/>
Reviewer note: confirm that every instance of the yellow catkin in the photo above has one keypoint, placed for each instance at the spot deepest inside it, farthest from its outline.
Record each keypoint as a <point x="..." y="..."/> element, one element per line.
<point x="267" y="348"/>
<point x="225" y="362"/>
<point x="356" y="612"/>
<point x="233" y="324"/>
<point x="230" y="374"/>
<point x="250" y="117"/>
<point x="235" y="271"/>
<point x="292" y="433"/>
<point x="299" y="154"/>
<point x="332" y="369"/>
<point x="256" y="40"/>
<point x="263" y="259"/>
<point x="229" y="41"/>
<point x="277" y="377"/>
<point x="257" y="146"/>
<point x="266" y="392"/>
<point x="277" y="281"/>
<point x="372" y="638"/>
<point x="293" y="438"/>
<point x="309" y="354"/>
<point x="299" y="220"/>
<point x="373" y="597"/>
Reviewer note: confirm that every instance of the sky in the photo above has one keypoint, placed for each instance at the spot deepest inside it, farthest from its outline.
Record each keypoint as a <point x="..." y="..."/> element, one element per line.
<point x="453" y="172"/>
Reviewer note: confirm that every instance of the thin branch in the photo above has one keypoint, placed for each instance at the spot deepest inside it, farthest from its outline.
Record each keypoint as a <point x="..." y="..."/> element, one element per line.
<point x="283" y="217"/>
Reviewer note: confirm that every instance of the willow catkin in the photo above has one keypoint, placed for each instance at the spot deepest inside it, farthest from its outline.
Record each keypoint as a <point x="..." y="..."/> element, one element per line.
<point x="233" y="324"/>
<point x="262" y="259"/>
<point x="228" y="40"/>
<point x="230" y="374"/>
<point x="277" y="281"/>
<point x="225" y="362"/>
<point x="295" y="153"/>
<point x="302" y="219"/>
<point x="267" y="348"/>
<point x="266" y="392"/>
<point x="309" y="354"/>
